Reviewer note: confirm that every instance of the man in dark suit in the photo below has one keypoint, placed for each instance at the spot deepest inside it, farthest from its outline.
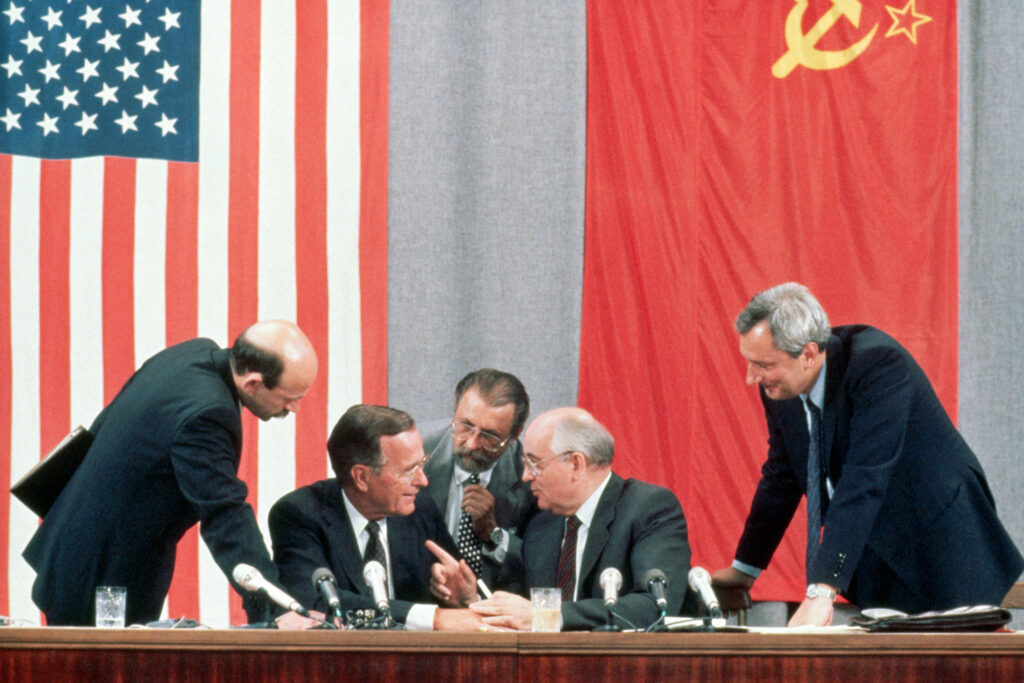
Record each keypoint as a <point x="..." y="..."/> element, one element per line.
<point x="373" y="510"/>
<point x="165" y="455"/>
<point x="900" y="514"/>
<point x="475" y="472"/>
<point x="592" y="519"/>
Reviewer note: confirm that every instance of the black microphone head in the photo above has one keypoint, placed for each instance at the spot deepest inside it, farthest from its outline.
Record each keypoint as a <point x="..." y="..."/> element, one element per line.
<point x="653" y="575"/>
<point x="323" y="574"/>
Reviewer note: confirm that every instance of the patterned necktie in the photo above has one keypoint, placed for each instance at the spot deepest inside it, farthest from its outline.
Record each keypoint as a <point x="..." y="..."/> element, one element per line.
<point x="565" y="578"/>
<point x="814" y="493"/>
<point x="469" y="542"/>
<point x="375" y="549"/>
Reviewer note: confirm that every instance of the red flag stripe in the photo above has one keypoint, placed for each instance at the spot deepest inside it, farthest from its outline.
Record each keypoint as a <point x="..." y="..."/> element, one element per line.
<point x="311" y="227"/>
<point x="182" y="302"/>
<point x="54" y="306"/>
<point x="373" y="220"/>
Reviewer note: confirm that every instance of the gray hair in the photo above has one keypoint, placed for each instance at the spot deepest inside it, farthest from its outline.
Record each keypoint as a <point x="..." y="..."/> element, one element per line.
<point x="577" y="430"/>
<point x="794" y="317"/>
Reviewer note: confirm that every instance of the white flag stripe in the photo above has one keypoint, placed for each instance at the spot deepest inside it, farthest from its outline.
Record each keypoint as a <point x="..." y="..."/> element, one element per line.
<point x="86" y="277"/>
<point x="214" y="156"/>
<point x="150" y="258"/>
<point x="277" y="290"/>
<point x="343" y="185"/>
<point x="25" y="409"/>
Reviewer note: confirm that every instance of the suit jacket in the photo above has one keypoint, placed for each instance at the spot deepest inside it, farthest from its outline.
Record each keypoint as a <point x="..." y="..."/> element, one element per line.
<point x="636" y="527"/>
<point x="514" y="505"/>
<point x="310" y="528"/>
<point x="165" y="455"/>
<point x="912" y="524"/>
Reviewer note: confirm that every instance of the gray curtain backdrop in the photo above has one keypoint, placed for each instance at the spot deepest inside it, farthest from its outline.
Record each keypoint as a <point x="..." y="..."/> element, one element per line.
<point x="991" y="249"/>
<point x="486" y="162"/>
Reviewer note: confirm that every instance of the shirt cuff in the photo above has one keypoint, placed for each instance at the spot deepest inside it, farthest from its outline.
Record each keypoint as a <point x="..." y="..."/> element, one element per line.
<point x="500" y="551"/>
<point x="747" y="569"/>
<point x="420" y="618"/>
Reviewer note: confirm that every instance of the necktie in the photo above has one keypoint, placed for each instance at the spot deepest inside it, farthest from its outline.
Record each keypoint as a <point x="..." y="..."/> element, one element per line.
<point x="815" y="499"/>
<point x="375" y="549"/>
<point x="469" y="542"/>
<point x="565" y="578"/>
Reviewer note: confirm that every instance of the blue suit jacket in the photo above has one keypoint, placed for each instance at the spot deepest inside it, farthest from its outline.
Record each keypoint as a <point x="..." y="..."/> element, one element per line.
<point x="165" y="455"/>
<point x="310" y="528"/>
<point x="636" y="527"/>
<point x="912" y="524"/>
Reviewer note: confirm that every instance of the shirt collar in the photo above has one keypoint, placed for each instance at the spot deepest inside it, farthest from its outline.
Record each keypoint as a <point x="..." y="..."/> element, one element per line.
<point x="817" y="393"/>
<point x="460" y="475"/>
<point x="357" y="519"/>
<point x="586" y="512"/>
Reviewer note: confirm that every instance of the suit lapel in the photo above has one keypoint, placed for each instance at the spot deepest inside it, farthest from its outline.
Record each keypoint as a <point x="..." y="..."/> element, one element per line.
<point x="597" y="536"/>
<point x="541" y="549"/>
<point x="403" y="553"/>
<point x="346" y="553"/>
<point x="439" y="471"/>
<point x="503" y="482"/>
<point x="836" y="363"/>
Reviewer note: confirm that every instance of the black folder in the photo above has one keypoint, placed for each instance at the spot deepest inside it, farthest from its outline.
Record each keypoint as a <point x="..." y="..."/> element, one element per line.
<point x="39" y="488"/>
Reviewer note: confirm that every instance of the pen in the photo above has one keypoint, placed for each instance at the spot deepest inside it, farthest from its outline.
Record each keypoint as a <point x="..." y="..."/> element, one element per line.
<point x="482" y="587"/>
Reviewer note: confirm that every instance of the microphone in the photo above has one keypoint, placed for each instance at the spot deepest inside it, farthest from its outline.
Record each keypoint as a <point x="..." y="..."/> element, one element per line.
<point x="249" y="578"/>
<point x="611" y="582"/>
<point x="700" y="582"/>
<point x="375" y="577"/>
<point x="657" y="583"/>
<point x="325" y="582"/>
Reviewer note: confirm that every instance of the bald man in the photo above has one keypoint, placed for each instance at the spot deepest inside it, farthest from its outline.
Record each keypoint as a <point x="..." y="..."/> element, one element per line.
<point x="165" y="455"/>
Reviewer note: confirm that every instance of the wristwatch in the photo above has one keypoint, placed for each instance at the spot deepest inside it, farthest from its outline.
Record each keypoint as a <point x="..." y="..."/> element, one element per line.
<point x="817" y="590"/>
<point x="497" y="536"/>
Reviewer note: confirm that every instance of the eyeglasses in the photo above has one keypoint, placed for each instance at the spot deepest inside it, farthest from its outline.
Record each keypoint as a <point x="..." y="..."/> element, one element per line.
<point x="537" y="466"/>
<point x="489" y="441"/>
<point x="410" y="474"/>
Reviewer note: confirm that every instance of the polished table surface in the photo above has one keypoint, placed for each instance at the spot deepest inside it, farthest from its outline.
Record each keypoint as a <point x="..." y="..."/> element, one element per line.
<point x="28" y="654"/>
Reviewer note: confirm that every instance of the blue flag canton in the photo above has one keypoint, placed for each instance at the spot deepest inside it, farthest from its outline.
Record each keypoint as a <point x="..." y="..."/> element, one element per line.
<point x="85" y="78"/>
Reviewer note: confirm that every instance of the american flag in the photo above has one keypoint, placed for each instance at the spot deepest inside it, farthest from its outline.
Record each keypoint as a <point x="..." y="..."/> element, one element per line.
<point x="149" y="196"/>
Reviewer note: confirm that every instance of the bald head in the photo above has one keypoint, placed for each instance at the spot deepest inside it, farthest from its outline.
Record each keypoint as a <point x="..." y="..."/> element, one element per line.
<point x="274" y="365"/>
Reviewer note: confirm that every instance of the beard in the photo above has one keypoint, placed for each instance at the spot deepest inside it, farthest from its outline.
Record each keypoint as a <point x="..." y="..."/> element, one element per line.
<point x="473" y="461"/>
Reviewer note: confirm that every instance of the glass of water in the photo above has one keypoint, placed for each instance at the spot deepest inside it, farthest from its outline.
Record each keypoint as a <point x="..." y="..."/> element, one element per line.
<point x="546" y="609"/>
<point x="110" y="606"/>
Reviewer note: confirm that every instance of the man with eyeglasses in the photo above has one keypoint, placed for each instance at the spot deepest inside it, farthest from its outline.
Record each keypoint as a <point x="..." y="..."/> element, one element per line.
<point x="591" y="519"/>
<point x="372" y="510"/>
<point x="475" y="474"/>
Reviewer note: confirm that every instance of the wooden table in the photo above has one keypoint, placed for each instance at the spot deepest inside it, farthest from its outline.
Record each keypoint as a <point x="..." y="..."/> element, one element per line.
<point x="100" y="655"/>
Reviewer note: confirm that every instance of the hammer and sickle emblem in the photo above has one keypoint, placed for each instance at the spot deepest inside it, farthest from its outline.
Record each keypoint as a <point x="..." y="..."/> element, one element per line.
<point x="802" y="48"/>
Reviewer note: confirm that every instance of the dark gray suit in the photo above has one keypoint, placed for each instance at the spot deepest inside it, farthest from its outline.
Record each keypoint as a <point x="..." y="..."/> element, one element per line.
<point x="165" y="455"/>
<point x="912" y="524"/>
<point x="636" y="527"/>
<point x="514" y="505"/>
<point x="310" y="528"/>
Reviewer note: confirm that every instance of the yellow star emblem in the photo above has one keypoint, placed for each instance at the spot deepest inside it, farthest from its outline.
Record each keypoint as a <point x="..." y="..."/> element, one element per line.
<point x="906" y="21"/>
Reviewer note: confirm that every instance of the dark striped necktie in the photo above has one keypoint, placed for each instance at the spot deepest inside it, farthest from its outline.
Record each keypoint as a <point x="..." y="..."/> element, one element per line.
<point x="566" y="575"/>
<point x="815" y="495"/>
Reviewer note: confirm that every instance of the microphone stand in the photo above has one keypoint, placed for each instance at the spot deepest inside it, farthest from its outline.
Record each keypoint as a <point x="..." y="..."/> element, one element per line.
<point x="609" y="625"/>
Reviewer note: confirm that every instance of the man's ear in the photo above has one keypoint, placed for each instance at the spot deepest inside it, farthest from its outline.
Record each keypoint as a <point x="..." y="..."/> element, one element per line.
<point x="360" y="476"/>
<point x="579" y="463"/>
<point x="250" y="382"/>
<point x="809" y="354"/>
